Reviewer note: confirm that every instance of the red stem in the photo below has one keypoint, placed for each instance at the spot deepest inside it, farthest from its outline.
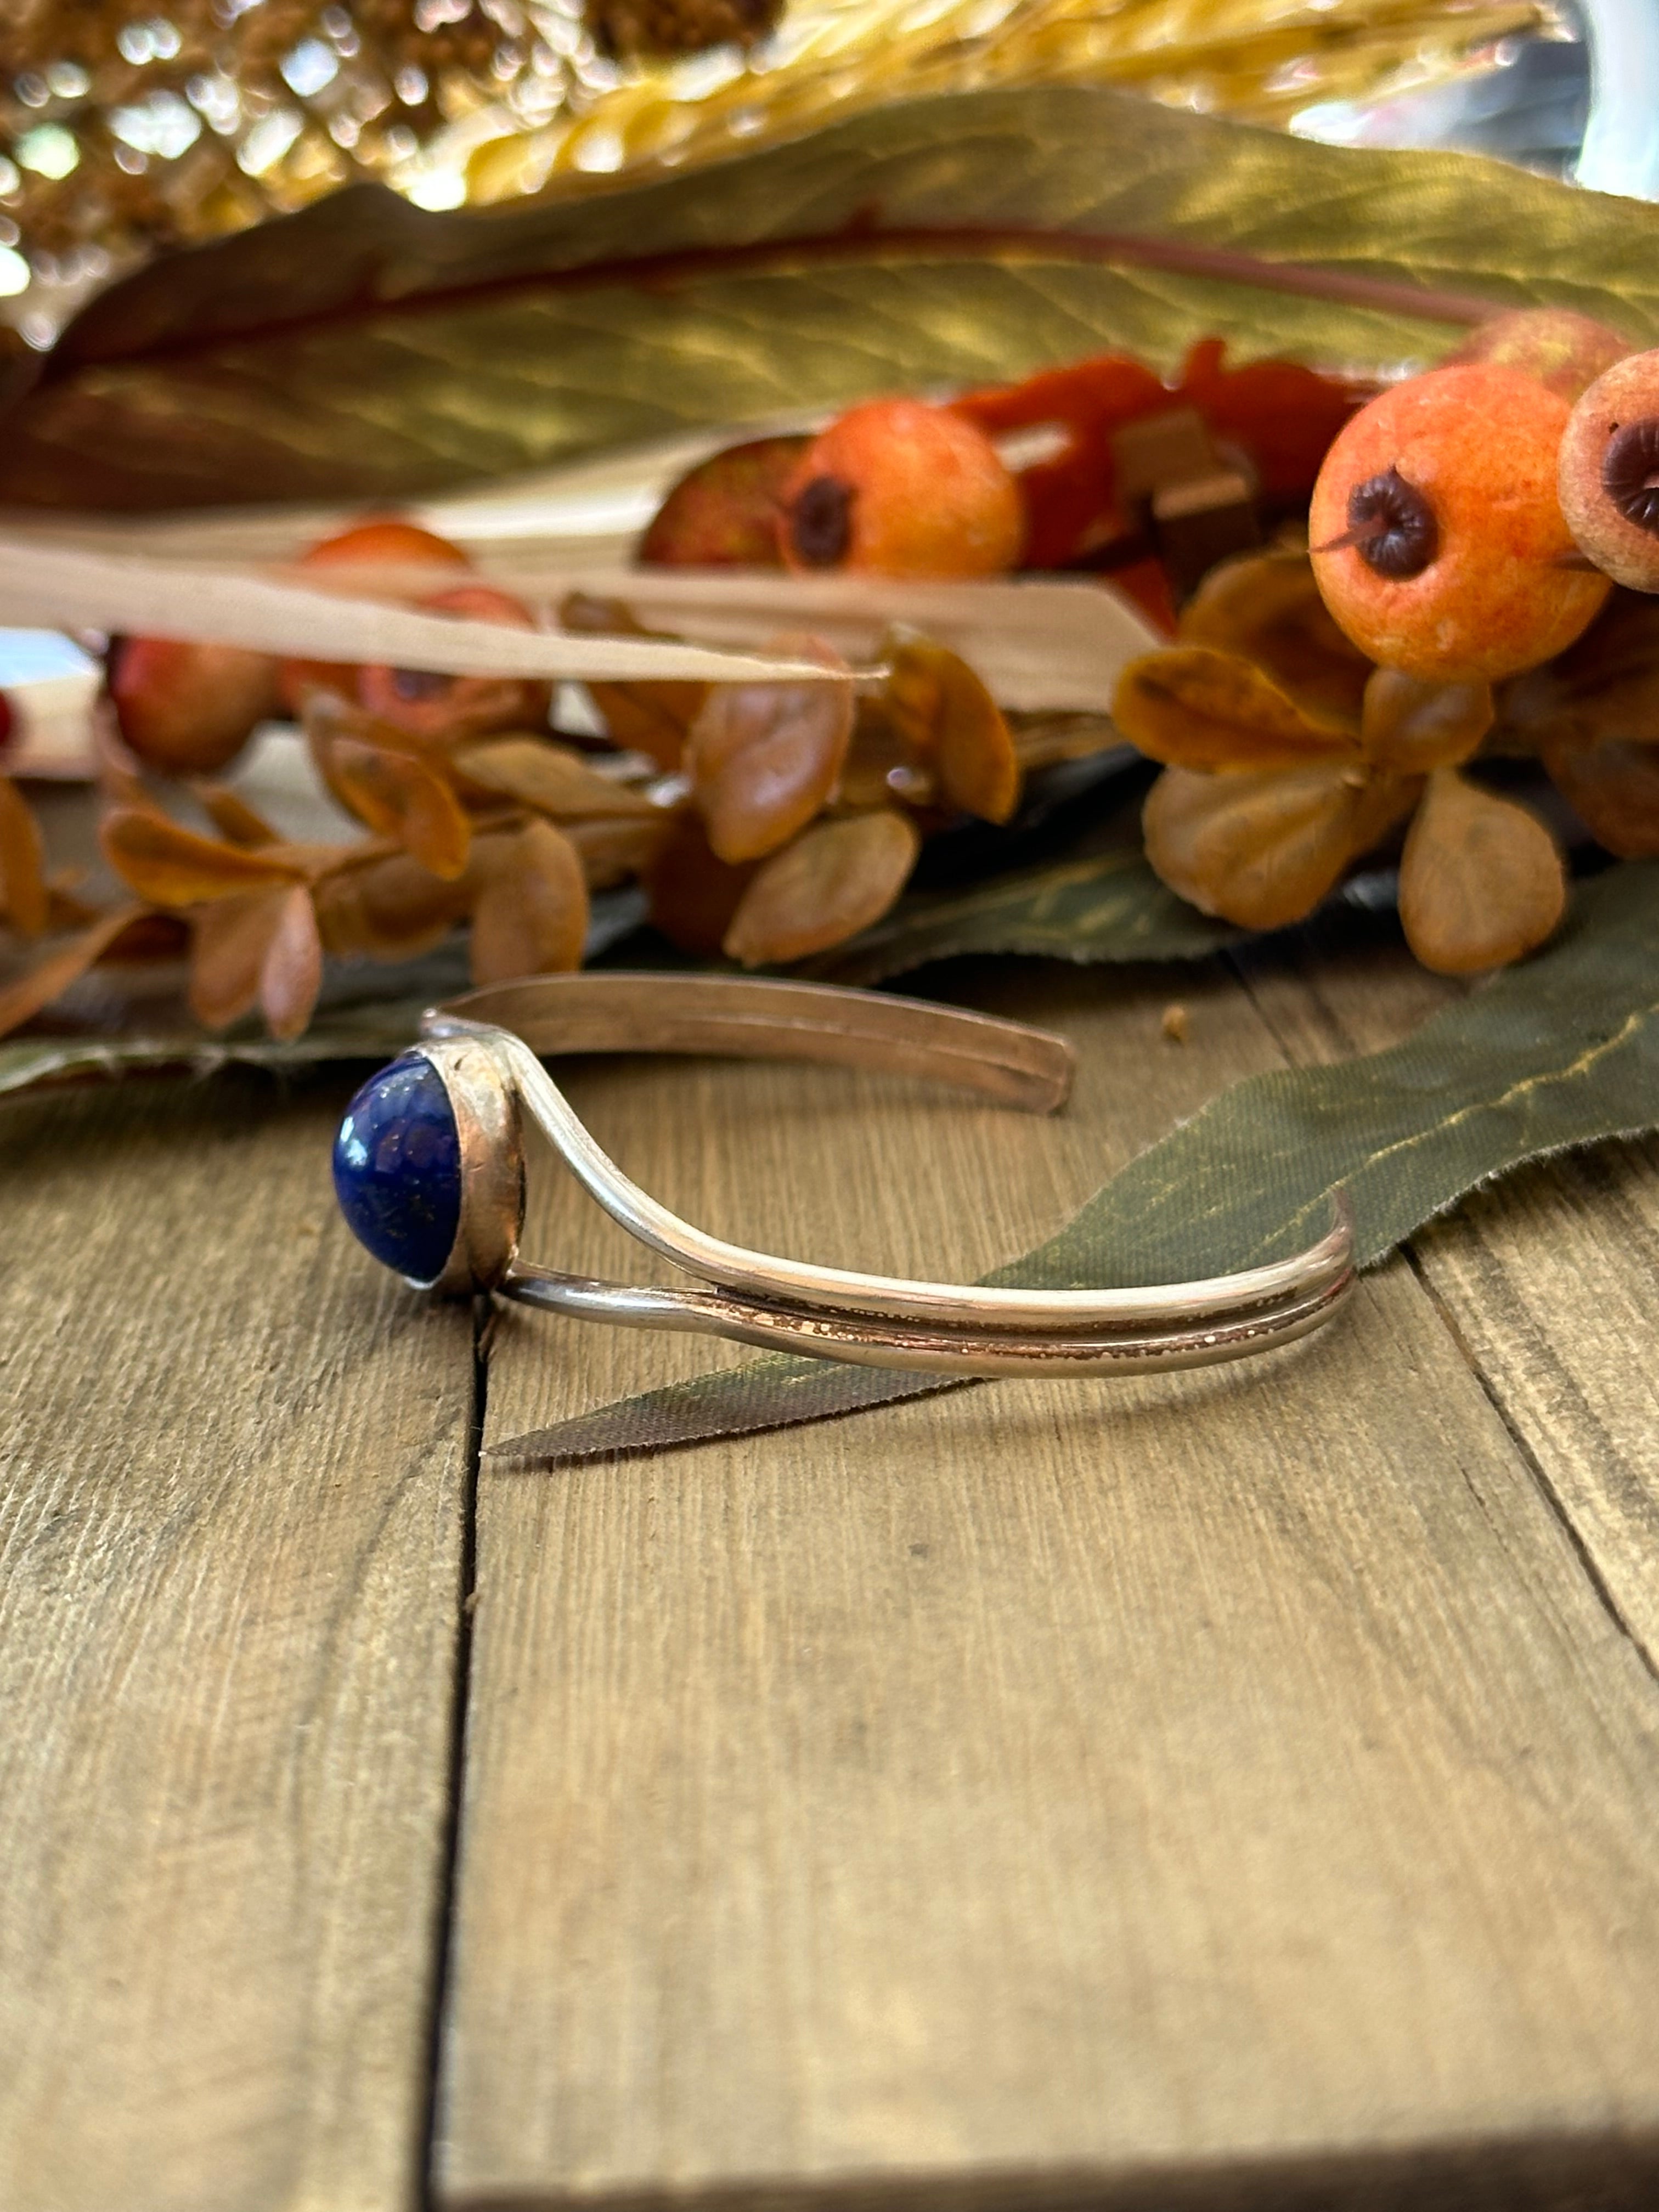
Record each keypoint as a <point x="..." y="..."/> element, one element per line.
<point x="1007" y="241"/>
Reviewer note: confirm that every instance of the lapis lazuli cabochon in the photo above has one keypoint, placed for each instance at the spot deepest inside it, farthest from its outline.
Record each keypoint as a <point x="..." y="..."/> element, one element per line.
<point x="397" y="1168"/>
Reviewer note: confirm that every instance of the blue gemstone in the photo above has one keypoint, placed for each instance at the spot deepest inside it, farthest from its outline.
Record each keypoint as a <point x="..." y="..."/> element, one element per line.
<point x="397" y="1168"/>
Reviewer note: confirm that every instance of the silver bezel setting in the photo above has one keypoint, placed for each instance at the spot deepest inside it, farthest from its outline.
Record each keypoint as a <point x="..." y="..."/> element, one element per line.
<point x="491" y="1126"/>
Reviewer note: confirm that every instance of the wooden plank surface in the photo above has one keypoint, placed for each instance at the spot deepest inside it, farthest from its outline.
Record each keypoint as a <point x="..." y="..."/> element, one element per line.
<point x="1075" y="1789"/>
<point x="1137" y="1794"/>
<point x="231" y="1542"/>
<point x="1549" y="1282"/>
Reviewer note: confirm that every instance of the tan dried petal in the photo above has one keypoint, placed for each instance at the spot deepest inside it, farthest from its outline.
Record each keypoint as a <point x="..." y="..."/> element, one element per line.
<point x="237" y="822"/>
<point x="646" y="718"/>
<point x="653" y="719"/>
<point x="54" y="972"/>
<point x="944" y="710"/>
<point x="1614" y="786"/>
<point x="763" y="757"/>
<point x="530" y="916"/>
<point x="693" y="894"/>
<point x="65" y="908"/>
<point x="1266" y="607"/>
<point x="553" y="779"/>
<point x="118" y="779"/>
<point x="1043" y="740"/>
<point x="25" y="899"/>
<point x="1606" y="685"/>
<point x="1412" y="726"/>
<point x="883" y="764"/>
<point x="1263" y="850"/>
<point x="1192" y="707"/>
<point x="1481" y="880"/>
<point x="401" y="796"/>
<point x="835" y="880"/>
<point x="389" y="908"/>
<point x="292" y="972"/>
<point x="174" y="867"/>
<point x="228" y="944"/>
<point x="613" y="852"/>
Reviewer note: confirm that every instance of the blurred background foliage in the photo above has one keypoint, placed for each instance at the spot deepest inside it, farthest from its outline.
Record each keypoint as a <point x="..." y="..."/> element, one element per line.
<point x="130" y="126"/>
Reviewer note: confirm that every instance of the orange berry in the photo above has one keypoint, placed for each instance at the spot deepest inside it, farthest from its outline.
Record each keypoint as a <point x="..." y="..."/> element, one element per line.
<point x="898" y="488"/>
<point x="382" y="542"/>
<point x="1438" y="540"/>
<point x="1564" y="350"/>
<point x="723" y="512"/>
<point x="388" y="542"/>
<point x="430" y="704"/>
<point x="1609" y="472"/>
<point x="186" y="708"/>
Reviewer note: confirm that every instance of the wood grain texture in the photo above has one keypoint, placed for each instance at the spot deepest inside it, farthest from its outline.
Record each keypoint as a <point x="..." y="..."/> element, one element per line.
<point x="231" y="1488"/>
<point x="1549" y="1280"/>
<point x="1032" y="1790"/>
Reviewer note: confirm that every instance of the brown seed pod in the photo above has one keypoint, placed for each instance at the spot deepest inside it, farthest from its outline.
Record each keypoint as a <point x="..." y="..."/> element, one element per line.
<point x="1481" y="880"/>
<point x="616" y="851"/>
<point x="261" y="947"/>
<point x="400" y="796"/>
<point x="1605" y="686"/>
<point x="237" y="822"/>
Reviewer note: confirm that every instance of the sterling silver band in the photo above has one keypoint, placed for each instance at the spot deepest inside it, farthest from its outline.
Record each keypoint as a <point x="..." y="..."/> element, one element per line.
<point x="486" y="1046"/>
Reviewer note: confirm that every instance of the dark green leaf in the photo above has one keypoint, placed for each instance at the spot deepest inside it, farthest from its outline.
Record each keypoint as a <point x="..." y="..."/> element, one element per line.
<point x="363" y="349"/>
<point x="1107" y="906"/>
<point x="1560" y="1052"/>
<point x="365" y="1031"/>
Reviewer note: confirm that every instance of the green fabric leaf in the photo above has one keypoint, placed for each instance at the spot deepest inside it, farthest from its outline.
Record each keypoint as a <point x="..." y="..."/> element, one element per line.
<point x="1107" y="906"/>
<point x="366" y="1030"/>
<point x="363" y="349"/>
<point x="1562" y="1051"/>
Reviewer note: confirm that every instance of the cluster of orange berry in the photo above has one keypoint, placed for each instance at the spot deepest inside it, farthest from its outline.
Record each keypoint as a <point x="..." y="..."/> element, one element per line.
<point x="1467" y="526"/>
<point x="769" y="821"/>
<point x="1480" y="536"/>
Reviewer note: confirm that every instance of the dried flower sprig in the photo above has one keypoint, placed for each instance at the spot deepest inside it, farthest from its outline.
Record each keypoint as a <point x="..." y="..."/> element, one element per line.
<point x="1288" y="757"/>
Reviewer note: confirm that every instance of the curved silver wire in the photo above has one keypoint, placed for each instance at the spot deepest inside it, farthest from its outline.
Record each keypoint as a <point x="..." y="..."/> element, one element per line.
<point x="834" y="1313"/>
<point x="798" y="1282"/>
<point x="862" y="1341"/>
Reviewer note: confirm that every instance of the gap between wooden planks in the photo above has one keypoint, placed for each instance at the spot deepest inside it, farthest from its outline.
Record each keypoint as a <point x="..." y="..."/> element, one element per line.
<point x="1035" y="1789"/>
<point x="231" y="1549"/>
